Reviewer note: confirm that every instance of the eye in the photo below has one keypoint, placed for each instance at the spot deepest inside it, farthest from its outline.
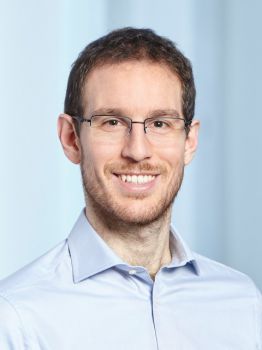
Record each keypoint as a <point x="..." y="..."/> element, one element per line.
<point x="115" y="122"/>
<point x="109" y="123"/>
<point x="162" y="125"/>
<point x="159" y="124"/>
<point x="112" y="122"/>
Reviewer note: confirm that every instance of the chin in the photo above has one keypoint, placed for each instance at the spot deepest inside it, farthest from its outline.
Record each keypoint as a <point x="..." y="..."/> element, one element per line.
<point x="141" y="219"/>
<point x="133" y="212"/>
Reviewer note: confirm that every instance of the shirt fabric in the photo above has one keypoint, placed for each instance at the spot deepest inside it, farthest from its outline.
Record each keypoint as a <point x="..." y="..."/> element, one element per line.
<point x="81" y="295"/>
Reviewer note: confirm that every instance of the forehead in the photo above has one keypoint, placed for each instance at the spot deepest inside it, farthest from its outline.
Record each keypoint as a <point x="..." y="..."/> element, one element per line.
<point x="134" y="87"/>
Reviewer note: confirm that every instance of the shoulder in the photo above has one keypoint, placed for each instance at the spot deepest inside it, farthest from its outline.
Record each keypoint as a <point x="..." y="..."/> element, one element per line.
<point x="232" y="290"/>
<point x="12" y="335"/>
<point x="230" y="279"/>
<point x="38" y="272"/>
<point x="23" y="292"/>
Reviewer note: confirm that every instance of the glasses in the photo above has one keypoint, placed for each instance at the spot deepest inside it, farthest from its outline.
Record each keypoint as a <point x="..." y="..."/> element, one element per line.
<point x="115" y="127"/>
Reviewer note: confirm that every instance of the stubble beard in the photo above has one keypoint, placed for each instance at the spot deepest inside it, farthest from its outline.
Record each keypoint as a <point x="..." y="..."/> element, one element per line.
<point x="113" y="214"/>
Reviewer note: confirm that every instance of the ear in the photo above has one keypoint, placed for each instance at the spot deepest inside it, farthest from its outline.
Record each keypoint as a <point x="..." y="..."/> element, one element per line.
<point x="191" y="142"/>
<point x="68" y="138"/>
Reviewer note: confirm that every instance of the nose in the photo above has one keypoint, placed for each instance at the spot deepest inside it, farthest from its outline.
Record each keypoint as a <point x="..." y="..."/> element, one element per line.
<point x="136" y="146"/>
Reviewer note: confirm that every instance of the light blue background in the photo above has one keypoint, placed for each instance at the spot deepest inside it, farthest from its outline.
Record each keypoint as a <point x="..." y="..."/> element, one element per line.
<point x="218" y="211"/>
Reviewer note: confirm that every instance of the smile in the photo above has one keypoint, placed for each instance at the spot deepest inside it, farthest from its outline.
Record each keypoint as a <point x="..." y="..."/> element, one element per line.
<point x="137" y="179"/>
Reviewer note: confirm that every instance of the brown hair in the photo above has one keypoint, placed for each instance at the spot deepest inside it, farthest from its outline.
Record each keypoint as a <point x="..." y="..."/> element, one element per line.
<point x="124" y="45"/>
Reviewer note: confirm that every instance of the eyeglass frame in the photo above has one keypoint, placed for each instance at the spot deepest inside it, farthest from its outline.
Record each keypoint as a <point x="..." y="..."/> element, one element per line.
<point x="81" y="119"/>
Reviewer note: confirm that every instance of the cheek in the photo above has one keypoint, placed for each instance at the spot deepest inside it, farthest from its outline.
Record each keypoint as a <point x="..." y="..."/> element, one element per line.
<point x="173" y="155"/>
<point x="96" y="155"/>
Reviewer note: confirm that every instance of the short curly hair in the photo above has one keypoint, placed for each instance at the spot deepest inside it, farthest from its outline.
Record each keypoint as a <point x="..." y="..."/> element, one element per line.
<point x="127" y="44"/>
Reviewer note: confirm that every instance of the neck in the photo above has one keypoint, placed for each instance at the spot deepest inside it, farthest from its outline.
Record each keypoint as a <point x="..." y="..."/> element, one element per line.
<point x="144" y="245"/>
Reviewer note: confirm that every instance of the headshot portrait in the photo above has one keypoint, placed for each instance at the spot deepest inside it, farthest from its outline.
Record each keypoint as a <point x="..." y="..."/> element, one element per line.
<point x="133" y="220"/>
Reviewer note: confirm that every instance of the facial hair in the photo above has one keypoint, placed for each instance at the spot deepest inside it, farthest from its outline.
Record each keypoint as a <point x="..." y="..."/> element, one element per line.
<point x="112" y="212"/>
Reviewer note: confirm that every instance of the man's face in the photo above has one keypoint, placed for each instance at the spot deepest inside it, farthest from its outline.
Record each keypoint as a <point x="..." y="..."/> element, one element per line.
<point x="136" y="90"/>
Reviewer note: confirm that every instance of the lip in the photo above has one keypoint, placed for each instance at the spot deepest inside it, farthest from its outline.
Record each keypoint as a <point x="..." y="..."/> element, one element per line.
<point x="137" y="173"/>
<point x="129" y="187"/>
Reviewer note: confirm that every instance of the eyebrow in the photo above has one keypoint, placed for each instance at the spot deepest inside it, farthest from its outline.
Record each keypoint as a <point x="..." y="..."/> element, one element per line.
<point x="120" y="112"/>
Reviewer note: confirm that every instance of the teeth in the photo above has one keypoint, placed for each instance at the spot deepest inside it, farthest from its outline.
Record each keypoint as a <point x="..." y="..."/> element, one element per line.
<point x="140" y="179"/>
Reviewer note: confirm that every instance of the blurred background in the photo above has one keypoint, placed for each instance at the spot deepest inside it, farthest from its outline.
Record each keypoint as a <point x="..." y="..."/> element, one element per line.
<point x="218" y="210"/>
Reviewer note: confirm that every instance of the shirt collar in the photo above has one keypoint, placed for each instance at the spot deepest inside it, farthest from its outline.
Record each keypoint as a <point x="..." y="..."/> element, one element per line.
<point x="181" y="253"/>
<point x="89" y="252"/>
<point x="91" y="255"/>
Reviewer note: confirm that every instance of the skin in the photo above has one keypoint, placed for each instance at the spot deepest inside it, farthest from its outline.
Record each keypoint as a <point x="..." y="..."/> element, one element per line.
<point x="133" y="219"/>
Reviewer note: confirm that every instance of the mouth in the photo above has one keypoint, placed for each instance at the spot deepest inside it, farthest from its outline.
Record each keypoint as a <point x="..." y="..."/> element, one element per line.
<point x="136" y="179"/>
<point x="136" y="183"/>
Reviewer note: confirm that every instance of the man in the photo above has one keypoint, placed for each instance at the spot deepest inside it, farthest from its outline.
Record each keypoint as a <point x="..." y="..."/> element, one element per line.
<point x="124" y="279"/>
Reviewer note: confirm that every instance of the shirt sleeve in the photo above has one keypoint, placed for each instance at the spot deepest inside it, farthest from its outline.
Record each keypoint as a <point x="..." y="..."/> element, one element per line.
<point x="11" y="329"/>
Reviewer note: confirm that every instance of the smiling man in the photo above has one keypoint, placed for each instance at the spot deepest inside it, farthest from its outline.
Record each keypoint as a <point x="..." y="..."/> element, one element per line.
<point x="124" y="279"/>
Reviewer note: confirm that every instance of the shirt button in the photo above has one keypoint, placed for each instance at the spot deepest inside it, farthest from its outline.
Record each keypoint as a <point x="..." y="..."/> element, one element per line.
<point x="132" y="272"/>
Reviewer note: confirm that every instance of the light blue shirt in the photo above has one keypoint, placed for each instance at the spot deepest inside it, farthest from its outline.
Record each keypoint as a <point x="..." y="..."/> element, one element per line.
<point x="82" y="296"/>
